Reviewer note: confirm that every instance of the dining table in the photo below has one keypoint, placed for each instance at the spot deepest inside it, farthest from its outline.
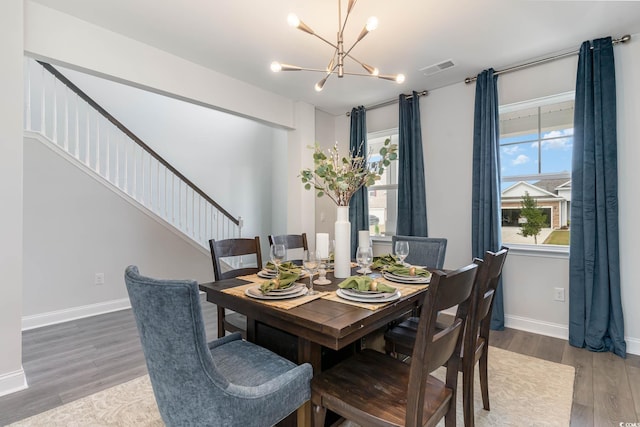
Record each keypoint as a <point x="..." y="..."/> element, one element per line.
<point x="319" y="329"/>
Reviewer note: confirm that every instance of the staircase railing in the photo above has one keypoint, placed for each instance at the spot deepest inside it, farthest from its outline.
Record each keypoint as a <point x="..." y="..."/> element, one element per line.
<point x="65" y="115"/>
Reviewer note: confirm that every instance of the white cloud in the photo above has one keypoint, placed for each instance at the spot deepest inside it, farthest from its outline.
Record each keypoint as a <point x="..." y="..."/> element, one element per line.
<point x="510" y="150"/>
<point x="559" y="143"/>
<point x="521" y="159"/>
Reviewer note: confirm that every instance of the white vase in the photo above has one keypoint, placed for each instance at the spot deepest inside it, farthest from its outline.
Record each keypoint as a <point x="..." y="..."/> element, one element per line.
<point x="342" y="261"/>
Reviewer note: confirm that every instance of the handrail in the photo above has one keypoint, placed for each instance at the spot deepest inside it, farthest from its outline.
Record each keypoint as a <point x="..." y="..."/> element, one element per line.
<point x="135" y="138"/>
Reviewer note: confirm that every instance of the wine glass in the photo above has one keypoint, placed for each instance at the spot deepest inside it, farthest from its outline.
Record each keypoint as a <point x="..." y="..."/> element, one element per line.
<point x="364" y="257"/>
<point x="311" y="262"/>
<point x="402" y="250"/>
<point x="278" y="252"/>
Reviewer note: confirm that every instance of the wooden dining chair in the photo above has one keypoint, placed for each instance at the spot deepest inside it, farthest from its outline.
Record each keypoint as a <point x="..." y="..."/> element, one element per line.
<point x="375" y="389"/>
<point x="233" y="322"/>
<point x="291" y="242"/>
<point x="401" y="338"/>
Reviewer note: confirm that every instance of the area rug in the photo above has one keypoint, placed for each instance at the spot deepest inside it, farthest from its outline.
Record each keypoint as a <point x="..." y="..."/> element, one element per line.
<point x="524" y="391"/>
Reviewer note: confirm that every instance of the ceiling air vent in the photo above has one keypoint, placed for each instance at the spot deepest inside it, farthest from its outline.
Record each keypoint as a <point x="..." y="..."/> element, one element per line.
<point x="436" y="68"/>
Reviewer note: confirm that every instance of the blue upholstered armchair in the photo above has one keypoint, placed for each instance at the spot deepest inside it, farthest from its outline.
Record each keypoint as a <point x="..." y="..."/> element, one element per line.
<point x="227" y="382"/>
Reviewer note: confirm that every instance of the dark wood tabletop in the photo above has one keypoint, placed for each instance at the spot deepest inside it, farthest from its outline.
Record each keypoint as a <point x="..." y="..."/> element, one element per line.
<point x="330" y="324"/>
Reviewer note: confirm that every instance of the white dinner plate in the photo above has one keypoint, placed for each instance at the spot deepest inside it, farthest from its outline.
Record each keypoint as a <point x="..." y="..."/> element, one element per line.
<point x="289" y="290"/>
<point x="369" y="295"/>
<point x="406" y="279"/>
<point x="255" y="292"/>
<point x="387" y="298"/>
<point x="266" y="274"/>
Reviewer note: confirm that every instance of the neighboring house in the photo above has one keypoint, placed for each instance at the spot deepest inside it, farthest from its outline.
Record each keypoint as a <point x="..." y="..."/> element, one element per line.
<point x="552" y="195"/>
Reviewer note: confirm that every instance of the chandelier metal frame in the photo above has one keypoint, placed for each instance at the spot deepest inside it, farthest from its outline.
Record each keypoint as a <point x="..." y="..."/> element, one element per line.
<point x="336" y="65"/>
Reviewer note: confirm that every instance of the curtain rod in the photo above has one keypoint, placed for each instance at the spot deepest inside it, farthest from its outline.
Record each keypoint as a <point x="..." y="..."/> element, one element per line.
<point x="468" y="80"/>
<point x="389" y="102"/>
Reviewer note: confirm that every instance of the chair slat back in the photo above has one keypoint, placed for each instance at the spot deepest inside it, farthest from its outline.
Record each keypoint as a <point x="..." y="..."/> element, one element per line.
<point x="494" y="262"/>
<point x="430" y="351"/>
<point x="426" y="251"/>
<point x="291" y="241"/>
<point x="234" y="247"/>
<point x="487" y="287"/>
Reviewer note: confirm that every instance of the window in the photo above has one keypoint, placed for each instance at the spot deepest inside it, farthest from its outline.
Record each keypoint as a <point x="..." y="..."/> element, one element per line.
<point x="383" y="197"/>
<point x="536" y="142"/>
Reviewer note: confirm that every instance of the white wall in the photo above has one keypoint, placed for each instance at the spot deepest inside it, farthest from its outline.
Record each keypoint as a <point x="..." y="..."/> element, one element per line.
<point x="11" y="128"/>
<point x="301" y="203"/>
<point x="628" y="108"/>
<point x="74" y="227"/>
<point x="529" y="279"/>
<point x="326" y="211"/>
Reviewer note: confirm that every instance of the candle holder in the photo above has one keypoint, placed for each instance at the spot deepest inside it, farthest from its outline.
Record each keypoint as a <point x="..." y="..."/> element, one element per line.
<point x="322" y="273"/>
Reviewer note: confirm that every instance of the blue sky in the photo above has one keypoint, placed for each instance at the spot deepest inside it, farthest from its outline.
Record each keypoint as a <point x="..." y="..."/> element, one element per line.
<point x="522" y="158"/>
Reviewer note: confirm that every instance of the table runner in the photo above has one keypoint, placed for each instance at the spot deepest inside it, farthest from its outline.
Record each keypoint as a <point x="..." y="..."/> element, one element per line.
<point x="284" y="304"/>
<point x="405" y="290"/>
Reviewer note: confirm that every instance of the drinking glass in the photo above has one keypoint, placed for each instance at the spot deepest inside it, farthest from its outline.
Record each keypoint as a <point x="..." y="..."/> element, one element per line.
<point x="278" y="252"/>
<point x="364" y="257"/>
<point x="311" y="262"/>
<point x="402" y="250"/>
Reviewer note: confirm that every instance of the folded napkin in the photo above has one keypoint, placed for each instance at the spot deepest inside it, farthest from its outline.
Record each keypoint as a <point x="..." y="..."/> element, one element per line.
<point x="380" y="262"/>
<point x="284" y="280"/>
<point x="404" y="270"/>
<point x="285" y="266"/>
<point x="363" y="283"/>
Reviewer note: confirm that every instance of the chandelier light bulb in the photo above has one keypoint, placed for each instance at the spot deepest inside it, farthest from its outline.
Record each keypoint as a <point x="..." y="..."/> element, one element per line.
<point x="275" y="66"/>
<point x="371" y="70"/>
<point x="293" y="20"/>
<point x="318" y="87"/>
<point x="372" y="23"/>
<point x="400" y="78"/>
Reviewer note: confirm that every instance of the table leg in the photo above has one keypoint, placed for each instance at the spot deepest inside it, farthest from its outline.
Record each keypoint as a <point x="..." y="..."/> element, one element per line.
<point x="308" y="352"/>
<point x="251" y="329"/>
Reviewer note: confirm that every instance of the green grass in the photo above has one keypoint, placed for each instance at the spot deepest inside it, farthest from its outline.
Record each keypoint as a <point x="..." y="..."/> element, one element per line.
<point x="558" y="237"/>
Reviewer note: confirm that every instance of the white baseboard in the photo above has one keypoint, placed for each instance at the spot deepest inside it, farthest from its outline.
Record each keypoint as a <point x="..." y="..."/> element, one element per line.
<point x="12" y="382"/>
<point x="557" y="330"/>
<point x="60" y="316"/>
<point x="541" y="327"/>
<point x="633" y="345"/>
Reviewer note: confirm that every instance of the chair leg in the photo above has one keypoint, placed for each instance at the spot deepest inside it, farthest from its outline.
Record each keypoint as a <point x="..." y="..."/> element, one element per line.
<point x="484" y="379"/>
<point x="319" y="414"/>
<point x="467" y="395"/>
<point x="221" y="313"/>
<point x="450" y="416"/>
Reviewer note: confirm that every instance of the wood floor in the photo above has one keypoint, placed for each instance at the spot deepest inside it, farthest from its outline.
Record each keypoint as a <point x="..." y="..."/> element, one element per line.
<point x="71" y="360"/>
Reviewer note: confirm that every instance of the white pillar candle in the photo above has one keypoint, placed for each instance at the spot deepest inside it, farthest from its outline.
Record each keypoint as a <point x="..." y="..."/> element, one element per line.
<point x="364" y="238"/>
<point x="322" y="244"/>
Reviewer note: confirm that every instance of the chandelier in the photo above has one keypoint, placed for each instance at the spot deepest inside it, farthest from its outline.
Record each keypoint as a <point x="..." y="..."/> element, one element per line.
<point x="336" y="64"/>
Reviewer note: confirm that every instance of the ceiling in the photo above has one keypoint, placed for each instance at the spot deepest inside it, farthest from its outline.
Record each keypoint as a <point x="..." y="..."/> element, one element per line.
<point x="241" y="38"/>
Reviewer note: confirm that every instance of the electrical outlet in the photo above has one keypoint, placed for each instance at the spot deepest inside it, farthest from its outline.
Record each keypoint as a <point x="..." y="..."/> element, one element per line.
<point x="99" y="279"/>
<point x="558" y="294"/>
